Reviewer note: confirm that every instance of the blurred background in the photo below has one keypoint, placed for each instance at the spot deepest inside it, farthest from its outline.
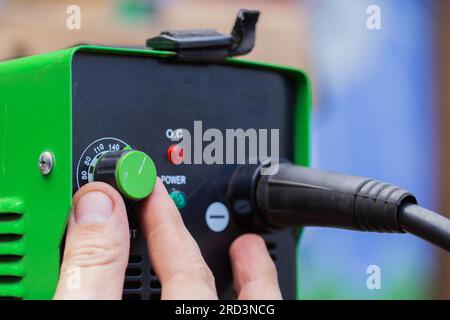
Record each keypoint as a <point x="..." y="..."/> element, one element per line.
<point x="381" y="107"/>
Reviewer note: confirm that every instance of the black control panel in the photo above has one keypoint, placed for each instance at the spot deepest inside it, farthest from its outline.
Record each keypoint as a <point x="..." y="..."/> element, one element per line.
<point x="121" y="101"/>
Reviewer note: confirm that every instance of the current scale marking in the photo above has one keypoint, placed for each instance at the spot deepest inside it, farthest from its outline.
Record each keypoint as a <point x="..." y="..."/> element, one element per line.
<point x="92" y="154"/>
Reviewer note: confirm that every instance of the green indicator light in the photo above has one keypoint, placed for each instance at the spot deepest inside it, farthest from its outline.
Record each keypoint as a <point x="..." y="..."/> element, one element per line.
<point x="179" y="198"/>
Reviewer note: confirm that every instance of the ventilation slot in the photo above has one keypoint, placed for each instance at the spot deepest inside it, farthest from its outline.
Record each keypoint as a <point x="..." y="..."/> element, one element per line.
<point x="133" y="272"/>
<point x="134" y="259"/>
<point x="12" y="249"/>
<point x="10" y="238"/>
<point x="10" y="279"/>
<point x="9" y="258"/>
<point x="132" y="288"/>
<point x="8" y="217"/>
<point x="155" y="286"/>
<point x="132" y="285"/>
<point x="10" y="298"/>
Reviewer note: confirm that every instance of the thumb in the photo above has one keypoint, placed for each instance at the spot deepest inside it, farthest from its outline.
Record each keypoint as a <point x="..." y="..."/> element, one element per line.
<point x="97" y="245"/>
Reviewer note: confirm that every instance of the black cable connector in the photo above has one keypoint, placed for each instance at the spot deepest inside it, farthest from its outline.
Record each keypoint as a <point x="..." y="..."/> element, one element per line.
<point x="298" y="196"/>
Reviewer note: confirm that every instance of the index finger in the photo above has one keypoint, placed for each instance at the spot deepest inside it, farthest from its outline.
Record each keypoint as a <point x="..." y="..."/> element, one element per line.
<point x="254" y="272"/>
<point x="173" y="252"/>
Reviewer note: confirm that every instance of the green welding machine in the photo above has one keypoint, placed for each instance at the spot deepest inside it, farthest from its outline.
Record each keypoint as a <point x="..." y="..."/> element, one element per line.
<point x="66" y="115"/>
<point x="96" y="113"/>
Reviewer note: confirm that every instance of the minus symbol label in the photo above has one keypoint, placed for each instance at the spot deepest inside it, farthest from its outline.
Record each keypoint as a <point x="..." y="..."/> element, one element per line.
<point x="217" y="216"/>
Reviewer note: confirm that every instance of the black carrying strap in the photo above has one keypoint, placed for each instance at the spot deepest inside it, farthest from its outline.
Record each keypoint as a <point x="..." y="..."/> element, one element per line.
<point x="207" y="45"/>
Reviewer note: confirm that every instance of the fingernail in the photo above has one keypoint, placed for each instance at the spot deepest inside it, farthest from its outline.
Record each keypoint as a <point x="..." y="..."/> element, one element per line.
<point x="93" y="207"/>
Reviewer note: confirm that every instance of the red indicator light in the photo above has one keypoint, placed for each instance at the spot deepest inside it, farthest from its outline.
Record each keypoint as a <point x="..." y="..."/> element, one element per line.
<point x="175" y="154"/>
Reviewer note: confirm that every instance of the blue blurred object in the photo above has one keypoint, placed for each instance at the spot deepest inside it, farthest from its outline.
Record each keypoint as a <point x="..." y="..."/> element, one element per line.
<point x="374" y="116"/>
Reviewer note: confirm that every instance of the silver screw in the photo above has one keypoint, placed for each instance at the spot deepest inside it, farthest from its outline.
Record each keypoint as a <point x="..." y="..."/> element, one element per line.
<point x="46" y="163"/>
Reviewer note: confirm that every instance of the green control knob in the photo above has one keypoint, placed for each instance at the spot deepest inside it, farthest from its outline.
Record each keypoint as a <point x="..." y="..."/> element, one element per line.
<point x="131" y="172"/>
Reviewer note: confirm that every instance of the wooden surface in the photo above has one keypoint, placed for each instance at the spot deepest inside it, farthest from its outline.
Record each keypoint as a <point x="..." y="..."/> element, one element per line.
<point x="30" y="27"/>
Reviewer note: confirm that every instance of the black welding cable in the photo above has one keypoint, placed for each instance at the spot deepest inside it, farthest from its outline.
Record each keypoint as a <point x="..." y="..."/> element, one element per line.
<point x="425" y="224"/>
<point x="297" y="196"/>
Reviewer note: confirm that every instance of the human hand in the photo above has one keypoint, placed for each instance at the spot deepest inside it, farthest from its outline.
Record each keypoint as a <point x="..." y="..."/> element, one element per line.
<point x="98" y="243"/>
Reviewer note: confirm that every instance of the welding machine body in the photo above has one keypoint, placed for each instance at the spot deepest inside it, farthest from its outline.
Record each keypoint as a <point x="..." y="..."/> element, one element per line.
<point x="81" y="102"/>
